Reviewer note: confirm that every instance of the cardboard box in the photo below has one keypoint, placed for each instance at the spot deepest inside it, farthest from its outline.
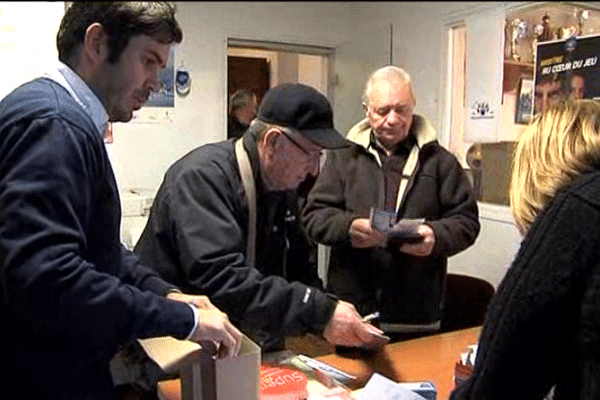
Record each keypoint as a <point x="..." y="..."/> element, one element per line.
<point x="205" y="378"/>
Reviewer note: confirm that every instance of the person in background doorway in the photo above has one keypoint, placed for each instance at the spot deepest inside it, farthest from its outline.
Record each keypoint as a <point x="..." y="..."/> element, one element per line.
<point x="394" y="164"/>
<point x="70" y="293"/>
<point x="242" y="110"/>
<point x="541" y="331"/>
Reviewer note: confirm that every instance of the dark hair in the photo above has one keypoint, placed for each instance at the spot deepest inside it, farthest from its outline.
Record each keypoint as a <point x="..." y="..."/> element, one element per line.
<point x="121" y="20"/>
<point x="240" y="99"/>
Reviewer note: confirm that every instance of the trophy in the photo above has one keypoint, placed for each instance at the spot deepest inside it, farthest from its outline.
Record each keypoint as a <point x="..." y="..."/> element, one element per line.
<point x="517" y="31"/>
<point x="537" y="34"/>
<point x="582" y="16"/>
<point x="546" y="29"/>
<point x="566" y="32"/>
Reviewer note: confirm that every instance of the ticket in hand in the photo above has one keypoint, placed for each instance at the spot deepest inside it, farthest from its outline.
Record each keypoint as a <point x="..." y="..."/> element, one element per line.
<point x="406" y="229"/>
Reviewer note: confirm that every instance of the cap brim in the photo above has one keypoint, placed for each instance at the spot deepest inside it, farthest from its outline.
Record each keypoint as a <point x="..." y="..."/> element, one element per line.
<point x="326" y="138"/>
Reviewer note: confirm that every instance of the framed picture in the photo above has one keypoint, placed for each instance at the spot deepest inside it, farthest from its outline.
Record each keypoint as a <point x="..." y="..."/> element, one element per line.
<point x="524" y="100"/>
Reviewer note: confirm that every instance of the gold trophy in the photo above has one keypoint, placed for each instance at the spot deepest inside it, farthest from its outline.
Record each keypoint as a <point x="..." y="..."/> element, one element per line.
<point x="517" y="31"/>
<point x="582" y="16"/>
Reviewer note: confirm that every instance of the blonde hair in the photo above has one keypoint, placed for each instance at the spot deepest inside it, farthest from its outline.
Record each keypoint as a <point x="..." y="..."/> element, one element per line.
<point x="556" y="147"/>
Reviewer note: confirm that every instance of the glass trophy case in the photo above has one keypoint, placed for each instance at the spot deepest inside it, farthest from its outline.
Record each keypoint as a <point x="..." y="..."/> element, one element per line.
<point x="524" y="90"/>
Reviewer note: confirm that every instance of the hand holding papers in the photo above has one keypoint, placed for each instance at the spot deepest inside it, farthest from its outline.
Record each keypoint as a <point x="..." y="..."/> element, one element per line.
<point x="405" y="230"/>
<point x="379" y="339"/>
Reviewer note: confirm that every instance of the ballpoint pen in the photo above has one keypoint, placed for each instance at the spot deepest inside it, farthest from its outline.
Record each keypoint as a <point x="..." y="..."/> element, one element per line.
<point x="371" y="317"/>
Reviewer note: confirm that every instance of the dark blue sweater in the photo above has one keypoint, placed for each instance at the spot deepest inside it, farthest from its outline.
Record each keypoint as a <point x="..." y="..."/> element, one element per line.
<point x="542" y="329"/>
<point x="70" y="293"/>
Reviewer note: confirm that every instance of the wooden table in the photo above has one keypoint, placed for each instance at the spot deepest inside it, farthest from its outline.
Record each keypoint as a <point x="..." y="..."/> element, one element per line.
<point x="431" y="358"/>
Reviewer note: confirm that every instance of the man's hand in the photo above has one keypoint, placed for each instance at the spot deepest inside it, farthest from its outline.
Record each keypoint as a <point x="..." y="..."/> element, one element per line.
<point x="216" y="334"/>
<point x="214" y="331"/>
<point x="425" y="246"/>
<point x="201" y="302"/>
<point x="362" y="236"/>
<point x="346" y="328"/>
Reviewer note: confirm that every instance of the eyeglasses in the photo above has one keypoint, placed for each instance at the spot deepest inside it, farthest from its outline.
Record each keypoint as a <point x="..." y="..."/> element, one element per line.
<point x="313" y="154"/>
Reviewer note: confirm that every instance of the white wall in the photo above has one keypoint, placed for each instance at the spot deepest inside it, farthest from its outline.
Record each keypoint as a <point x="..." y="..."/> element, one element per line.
<point x="495" y="247"/>
<point x="25" y="54"/>
<point x="143" y="151"/>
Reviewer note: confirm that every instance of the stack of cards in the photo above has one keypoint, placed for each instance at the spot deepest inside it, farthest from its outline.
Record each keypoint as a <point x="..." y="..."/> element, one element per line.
<point x="404" y="229"/>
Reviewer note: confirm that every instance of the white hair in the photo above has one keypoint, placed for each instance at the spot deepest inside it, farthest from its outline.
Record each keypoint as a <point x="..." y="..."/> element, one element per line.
<point x="384" y="73"/>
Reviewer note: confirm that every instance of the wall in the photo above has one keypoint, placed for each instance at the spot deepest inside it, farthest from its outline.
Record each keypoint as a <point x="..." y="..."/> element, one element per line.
<point x="418" y="46"/>
<point x="143" y="151"/>
<point x="495" y="247"/>
<point x="26" y="55"/>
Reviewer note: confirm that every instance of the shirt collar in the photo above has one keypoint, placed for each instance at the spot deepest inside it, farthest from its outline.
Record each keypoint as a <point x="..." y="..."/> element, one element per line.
<point x="82" y="93"/>
<point x="404" y="146"/>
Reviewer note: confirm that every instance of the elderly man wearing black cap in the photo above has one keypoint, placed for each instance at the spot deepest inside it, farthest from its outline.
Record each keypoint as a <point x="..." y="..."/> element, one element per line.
<point x="223" y="224"/>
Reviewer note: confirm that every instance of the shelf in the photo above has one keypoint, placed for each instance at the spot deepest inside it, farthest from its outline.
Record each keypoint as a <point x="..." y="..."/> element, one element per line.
<point x="518" y="63"/>
<point x="513" y="71"/>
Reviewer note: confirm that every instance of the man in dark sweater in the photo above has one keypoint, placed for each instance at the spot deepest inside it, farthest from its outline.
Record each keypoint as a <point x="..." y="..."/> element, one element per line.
<point x="70" y="294"/>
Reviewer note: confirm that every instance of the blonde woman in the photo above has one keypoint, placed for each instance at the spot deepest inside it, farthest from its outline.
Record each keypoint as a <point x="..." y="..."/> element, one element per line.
<point x="542" y="330"/>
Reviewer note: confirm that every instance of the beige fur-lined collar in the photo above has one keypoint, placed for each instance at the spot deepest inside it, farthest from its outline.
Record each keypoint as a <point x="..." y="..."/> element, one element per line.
<point x="423" y="130"/>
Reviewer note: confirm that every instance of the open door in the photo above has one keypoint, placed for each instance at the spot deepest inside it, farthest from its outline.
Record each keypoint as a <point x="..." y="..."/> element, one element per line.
<point x="354" y="61"/>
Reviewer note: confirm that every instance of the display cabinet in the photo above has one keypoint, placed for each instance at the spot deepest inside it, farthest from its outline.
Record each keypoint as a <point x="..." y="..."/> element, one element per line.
<point x="525" y="27"/>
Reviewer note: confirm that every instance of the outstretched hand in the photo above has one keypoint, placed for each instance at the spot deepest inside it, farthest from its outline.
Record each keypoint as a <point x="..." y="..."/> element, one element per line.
<point x="424" y="247"/>
<point x="346" y="328"/>
<point x="201" y="302"/>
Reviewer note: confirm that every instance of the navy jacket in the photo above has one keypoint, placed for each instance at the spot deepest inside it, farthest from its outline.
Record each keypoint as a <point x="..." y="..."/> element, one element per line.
<point x="70" y="294"/>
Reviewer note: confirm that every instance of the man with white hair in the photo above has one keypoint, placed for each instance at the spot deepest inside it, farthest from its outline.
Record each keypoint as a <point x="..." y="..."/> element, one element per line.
<point x="394" y="164"/>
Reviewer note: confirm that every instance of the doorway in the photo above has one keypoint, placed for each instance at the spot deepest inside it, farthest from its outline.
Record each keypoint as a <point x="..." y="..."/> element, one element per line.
<point x="251" y="73"/>
<point x="259" y="66"/>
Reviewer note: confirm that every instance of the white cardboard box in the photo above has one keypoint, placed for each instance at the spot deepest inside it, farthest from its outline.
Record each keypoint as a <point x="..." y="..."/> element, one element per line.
<point x="205" y="378"/>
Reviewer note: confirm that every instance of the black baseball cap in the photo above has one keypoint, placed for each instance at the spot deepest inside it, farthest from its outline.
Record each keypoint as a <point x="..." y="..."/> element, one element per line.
<point x="303" y="108"/>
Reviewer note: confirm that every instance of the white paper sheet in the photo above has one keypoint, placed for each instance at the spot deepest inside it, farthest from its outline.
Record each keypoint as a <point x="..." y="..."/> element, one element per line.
<point x="382" y="388"/>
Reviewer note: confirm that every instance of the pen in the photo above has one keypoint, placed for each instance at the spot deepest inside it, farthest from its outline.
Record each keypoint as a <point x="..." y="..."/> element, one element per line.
<point x="371" y="317"/>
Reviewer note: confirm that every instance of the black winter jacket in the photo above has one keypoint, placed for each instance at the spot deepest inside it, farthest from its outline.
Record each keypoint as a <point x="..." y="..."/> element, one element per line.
<point x="406" y="289"/>
<point x="196" y="238"/>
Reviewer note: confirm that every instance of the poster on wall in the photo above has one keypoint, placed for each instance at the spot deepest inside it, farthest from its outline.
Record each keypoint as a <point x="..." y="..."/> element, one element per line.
<point x="566" y="68"/>
<point x="160" y="105"/>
